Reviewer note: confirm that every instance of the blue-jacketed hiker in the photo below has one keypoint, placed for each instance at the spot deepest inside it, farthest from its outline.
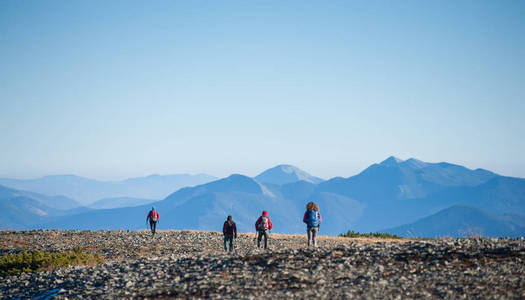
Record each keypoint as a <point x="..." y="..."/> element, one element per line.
<point x="312" y="218"/>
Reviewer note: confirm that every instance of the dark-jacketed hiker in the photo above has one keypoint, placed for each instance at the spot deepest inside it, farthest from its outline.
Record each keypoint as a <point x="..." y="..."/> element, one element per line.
<point x="229" y="230"/>
<point x="263" y="226"/>
<point x="153" y="217"/>
<point x="312" y="218"/>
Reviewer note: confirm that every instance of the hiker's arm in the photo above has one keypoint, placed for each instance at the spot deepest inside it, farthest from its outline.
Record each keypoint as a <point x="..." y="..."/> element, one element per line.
<point x="235" y="230"/>
<point x="304" y="216"/>
<point x="270" y="225"/>
<point x="320" y="219"/>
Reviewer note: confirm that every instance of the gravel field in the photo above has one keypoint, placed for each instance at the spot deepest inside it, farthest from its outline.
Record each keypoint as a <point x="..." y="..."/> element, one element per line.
<point x="191" y="264"/>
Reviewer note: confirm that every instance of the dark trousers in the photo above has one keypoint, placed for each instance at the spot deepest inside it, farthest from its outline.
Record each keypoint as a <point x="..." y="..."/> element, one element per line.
<point x="153" y="226"/>
<point x="228" y="243"/>
<point x="260" y="236"/>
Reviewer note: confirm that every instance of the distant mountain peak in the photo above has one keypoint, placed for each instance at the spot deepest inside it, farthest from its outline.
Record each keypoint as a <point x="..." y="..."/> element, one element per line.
<point x="283" y="174"/>
<point x="288" y="168"/>
<point x="414" y="160"/>
<point x="391" y="161"/>
<point x="237" y="177"/>
<point x="415" y="163"/>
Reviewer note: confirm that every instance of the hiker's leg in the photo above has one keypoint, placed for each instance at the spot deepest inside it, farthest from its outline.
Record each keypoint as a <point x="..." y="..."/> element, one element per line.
<point x="259" y="237"/>
<point x="231" y="243"/>
<point x="151" y="226"/>
<point x="154" y="227"/>
<point x="266" y="239"/>
<point x="314" y="235"/>
<point x="309" y="234"/>
<point x="226" y="243"/>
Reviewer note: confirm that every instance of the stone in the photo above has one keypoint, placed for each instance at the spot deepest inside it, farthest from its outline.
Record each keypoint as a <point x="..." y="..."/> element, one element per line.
<point x="194" y="265"/>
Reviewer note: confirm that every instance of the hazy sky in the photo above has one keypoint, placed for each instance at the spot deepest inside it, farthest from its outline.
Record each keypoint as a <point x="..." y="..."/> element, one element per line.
<point x="115" y="89"/>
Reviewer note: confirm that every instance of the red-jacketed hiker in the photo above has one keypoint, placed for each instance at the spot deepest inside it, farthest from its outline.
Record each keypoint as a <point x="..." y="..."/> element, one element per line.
<point x="153" y="217"/>
<point x="263" y="226"/>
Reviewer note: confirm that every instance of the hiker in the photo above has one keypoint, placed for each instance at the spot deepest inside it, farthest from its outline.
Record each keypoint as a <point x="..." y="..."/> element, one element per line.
<point x="312" y="218"/>
<point x="229" y="230"/>
<point x="263" y="226"/>
<point x="153" y="217"/>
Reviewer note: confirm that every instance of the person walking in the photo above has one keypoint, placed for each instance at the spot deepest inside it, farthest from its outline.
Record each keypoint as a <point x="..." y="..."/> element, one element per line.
<point x="153" y="217"/>
<point x="263" y="226"/>
<point x="229" y="230"/>
<point x="312" y="218"/>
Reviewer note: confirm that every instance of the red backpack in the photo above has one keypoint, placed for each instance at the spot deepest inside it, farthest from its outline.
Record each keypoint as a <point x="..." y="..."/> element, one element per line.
<point x="154" y="216"/>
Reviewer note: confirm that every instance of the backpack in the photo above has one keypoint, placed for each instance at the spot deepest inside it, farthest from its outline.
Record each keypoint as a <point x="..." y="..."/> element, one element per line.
<point x="312" y="219"/>
<point x="154" y="216"/>
<point x="263" y="225"/>
<point x="229" y="228"/>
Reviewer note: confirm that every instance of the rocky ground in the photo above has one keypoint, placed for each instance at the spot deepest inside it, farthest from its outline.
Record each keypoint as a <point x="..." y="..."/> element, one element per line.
<point x="188" y="264"/>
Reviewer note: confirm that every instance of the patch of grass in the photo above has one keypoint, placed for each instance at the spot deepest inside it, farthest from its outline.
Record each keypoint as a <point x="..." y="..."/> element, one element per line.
<point x="35" y="261"/>
<point x="380" y="235"/>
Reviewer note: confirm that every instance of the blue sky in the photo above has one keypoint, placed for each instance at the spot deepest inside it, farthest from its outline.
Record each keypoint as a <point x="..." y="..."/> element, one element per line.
<point x="115" y="89"/>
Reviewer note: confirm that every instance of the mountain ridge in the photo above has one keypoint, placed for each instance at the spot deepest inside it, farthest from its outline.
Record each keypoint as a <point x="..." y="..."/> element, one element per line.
<point x="462" y="220"/>
<point x="87" y="191"/>
<point x="381" y="196"/>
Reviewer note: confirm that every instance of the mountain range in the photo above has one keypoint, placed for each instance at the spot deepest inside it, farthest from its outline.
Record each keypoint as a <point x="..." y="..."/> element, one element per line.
<point x="22" y="209"/>
<point x="86" y="191"/>
<point x="406" y="197"/>
<point x="465" y="220"/>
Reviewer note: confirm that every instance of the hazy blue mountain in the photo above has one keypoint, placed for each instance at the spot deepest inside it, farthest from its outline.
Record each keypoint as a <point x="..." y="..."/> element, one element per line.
<point x="119" y="202"/>
<point x="397" y="179"/>
<point x="201" y="207"/>
<point x="386" y="195"/>
<point x="71" y="186"/>
<point x="53" y="202"/>
<point x="206" y="207"/>
<point x="283" y="174"/>
<point x="396" y="192"/>
<point x="498" y="195"/>
<point x="461" y="221"/>
<point x="87" y="191"/>
<point x="298" y="190"/>
<point x="21" y="209"/>
<point x="22" y="212"/>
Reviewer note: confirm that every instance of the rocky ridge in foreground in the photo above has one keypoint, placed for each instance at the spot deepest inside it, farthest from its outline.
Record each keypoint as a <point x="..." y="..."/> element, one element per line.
<point x="193" y="265"/>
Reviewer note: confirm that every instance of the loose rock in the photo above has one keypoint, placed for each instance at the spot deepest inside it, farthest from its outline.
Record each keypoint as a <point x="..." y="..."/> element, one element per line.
<point x="190" y="264"/>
